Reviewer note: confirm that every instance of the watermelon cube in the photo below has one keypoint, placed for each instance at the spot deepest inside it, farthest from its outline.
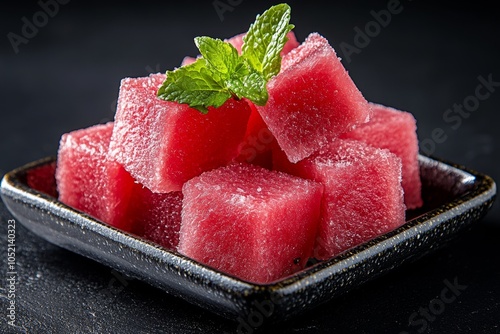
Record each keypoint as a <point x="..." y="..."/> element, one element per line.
<point x="89" y="181"/>
<point x="163" y="144"/>
<point x="253" y="223"/>
<point x="395" y="130"/>
<point x="363" y="197"/>
<point x="312" y="100"/>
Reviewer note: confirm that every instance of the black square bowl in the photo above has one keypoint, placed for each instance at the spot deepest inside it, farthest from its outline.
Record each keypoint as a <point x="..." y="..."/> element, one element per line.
<point x="454" y="198"/>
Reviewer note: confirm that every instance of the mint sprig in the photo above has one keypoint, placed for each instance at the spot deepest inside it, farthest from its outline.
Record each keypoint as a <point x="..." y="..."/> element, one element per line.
<point x="220" y="73"/>
<point x="266" y="38"/>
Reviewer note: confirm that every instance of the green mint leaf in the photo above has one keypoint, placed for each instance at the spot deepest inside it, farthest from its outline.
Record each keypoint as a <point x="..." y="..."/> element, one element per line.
<point x="220" y="73"/>
<point x="221" y="57"/>
<point x="215" y="77"/>
<point x="194" y="84"/>
<point x="266" y="38"/>
<point x="247" y="82"/>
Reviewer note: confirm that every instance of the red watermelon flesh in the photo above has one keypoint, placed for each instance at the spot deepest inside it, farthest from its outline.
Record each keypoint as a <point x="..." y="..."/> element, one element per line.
<point x="43" y="179"/>
<point x="89" y="181"/>
<point x="163" y="144"/>
<point x="396" y="131"/>
<point x="256" y="224"/>
<point x="158" y="215"/>
<point x="312" y="100"/>
<point x="290" y="44"/>
<point x="363" y="197"/>
<point x="258" y="142"/>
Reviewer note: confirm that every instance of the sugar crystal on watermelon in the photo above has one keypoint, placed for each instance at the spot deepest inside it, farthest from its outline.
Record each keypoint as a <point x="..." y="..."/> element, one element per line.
<point x="363" y="197"/>
<point x="312" y="100"/>
<point x="250" y="222"/>
<point x="163" y="144"/>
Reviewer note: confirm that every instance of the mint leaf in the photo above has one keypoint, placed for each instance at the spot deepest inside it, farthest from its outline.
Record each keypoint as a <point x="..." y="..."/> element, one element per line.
<point x="220" y="73"/>
<point x="266" y="38"/>
<point x="222" y="57"/>
<point x="194" y="84"/>
<point x="247" y="82"/>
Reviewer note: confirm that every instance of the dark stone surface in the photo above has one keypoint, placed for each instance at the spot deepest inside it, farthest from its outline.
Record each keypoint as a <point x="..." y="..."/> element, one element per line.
<point x="427" y="59"/>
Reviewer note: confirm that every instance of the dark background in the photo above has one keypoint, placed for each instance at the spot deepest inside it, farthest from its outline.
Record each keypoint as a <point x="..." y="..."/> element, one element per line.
<point x="428" y="58"/>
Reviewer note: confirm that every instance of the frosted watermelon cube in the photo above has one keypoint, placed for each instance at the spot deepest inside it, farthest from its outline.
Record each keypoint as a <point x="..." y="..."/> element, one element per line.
<point x="312" y="100"/>
<point x="363" y="197"/>
<point x="89" y="181"/>
<point x="256" y="224"/>
<point x="163" y="144"/>
<point x="395" y="130"/>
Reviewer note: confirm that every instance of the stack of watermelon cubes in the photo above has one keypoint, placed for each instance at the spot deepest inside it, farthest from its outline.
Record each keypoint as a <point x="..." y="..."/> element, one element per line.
<point x="252" y="191"/>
